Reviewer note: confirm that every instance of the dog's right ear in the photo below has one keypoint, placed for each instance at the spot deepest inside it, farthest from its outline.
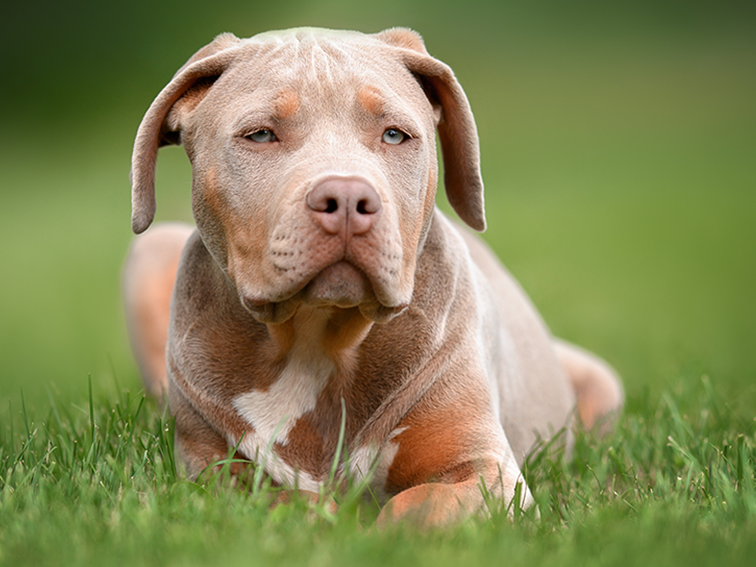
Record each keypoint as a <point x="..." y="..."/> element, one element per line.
<point x="161" y="124"/>
<point x="456" y="127"/>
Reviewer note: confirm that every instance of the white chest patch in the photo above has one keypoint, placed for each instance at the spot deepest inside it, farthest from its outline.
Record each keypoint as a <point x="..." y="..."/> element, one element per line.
<point x="273" y="414"/>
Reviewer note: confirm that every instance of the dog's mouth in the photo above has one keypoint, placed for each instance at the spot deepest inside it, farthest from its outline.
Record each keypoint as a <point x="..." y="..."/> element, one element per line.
<point x="340" y="285"/>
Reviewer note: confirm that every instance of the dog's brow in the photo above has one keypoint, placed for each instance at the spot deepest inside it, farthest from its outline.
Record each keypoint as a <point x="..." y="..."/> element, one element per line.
<point x="286" y="104"/>
<point x="371" y="99"/>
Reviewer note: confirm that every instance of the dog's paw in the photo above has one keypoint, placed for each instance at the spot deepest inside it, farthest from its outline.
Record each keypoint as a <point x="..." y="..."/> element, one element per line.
<point x="426" y="507"/>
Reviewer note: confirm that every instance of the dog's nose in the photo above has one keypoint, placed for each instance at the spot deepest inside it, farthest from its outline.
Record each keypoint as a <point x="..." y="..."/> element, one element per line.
<point x="344" y="206"/>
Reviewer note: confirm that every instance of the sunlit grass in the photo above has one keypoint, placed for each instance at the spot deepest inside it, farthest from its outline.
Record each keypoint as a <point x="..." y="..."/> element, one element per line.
<point x="98" y="482"/>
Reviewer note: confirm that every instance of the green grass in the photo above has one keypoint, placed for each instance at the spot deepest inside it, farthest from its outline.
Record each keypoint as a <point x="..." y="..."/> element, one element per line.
<point x="618" y="148"/>
<point x="97" y="484"/>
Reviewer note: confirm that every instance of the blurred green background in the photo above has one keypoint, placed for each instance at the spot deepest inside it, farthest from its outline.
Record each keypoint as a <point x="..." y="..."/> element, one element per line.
<point x="619" y="155"/>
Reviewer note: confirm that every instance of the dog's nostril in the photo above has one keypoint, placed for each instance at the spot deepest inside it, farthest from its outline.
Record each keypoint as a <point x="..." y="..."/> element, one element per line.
<point x="344" y="206"/>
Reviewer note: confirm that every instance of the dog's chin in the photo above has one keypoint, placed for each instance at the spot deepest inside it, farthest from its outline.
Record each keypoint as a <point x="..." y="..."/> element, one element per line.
<point x="340" y="285"/>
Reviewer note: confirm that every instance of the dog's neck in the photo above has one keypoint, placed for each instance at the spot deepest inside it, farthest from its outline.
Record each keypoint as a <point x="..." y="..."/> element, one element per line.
<point x="317" y="333"/>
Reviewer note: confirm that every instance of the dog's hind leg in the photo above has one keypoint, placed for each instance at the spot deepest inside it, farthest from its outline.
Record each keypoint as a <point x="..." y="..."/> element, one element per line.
<point x="148" y="277"/>
<point x="597" y="387"/>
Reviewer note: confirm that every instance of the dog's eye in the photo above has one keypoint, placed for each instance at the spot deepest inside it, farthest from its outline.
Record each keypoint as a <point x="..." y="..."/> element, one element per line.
<point x="263" y="136"/>
<point x="394" y="136"/>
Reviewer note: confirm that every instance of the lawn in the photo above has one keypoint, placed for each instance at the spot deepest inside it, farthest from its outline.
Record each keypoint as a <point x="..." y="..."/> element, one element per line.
<point x="619" y="155"/>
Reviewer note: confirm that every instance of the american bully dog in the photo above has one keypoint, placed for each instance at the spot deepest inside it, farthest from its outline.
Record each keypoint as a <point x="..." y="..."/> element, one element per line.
<point x="322" y="282"/>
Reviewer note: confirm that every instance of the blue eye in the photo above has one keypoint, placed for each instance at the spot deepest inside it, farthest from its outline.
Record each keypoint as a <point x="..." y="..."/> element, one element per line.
<point x="262" y="136"/>
<point x="394" y="137"/>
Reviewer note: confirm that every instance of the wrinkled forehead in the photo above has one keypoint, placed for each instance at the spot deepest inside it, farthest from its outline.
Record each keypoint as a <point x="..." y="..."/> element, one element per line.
<point x="314" y="53"/>
<point x="313" y="60"/>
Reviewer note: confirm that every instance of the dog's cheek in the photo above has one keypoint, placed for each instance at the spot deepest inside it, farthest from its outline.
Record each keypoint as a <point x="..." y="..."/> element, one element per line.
<point x="429" y="203"/>
<point x="208" y="206"/>
<point x="417" y="211"/>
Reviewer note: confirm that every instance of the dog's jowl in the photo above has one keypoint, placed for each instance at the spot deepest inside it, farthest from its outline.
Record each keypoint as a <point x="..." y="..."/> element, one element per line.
<point x="321" y="281"/>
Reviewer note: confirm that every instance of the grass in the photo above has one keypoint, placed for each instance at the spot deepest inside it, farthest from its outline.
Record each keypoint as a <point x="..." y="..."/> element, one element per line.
<point x="98" y="483"/>
<point x="618" y="153"/>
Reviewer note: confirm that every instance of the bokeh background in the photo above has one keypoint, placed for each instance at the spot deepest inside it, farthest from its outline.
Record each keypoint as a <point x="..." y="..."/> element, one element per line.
<point x="619" y="154"/>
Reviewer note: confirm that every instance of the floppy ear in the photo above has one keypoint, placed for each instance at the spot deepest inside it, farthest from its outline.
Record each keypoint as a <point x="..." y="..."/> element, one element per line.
<point x="456" y="128"/>
<point x="161" y="127"/>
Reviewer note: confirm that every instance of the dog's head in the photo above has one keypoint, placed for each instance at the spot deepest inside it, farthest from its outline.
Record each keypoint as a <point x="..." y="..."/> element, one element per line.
<point x="314" y="163"/>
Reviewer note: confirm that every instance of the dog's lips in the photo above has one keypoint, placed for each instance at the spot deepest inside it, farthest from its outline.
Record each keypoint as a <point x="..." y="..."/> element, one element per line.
<point x="340" y="284"/>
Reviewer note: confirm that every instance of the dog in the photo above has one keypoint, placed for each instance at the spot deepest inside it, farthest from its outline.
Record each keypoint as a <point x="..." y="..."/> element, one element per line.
<point x="323" y="295"/>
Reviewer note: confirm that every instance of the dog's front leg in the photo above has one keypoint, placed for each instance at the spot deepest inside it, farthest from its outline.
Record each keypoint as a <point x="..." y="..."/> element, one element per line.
<point x="450" y="459"/>
<point x="198" y="445"/>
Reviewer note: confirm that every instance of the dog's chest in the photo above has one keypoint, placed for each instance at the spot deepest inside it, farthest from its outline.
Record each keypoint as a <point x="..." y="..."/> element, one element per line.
<point x="294" y="428"/>
<point x="274" y="413"/>
<point x="279" y="420"/>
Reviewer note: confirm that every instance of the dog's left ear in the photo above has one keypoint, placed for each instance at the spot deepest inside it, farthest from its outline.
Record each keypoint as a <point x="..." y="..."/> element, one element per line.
<point x="160" y="125"/>
<point x="456" y="128"/>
